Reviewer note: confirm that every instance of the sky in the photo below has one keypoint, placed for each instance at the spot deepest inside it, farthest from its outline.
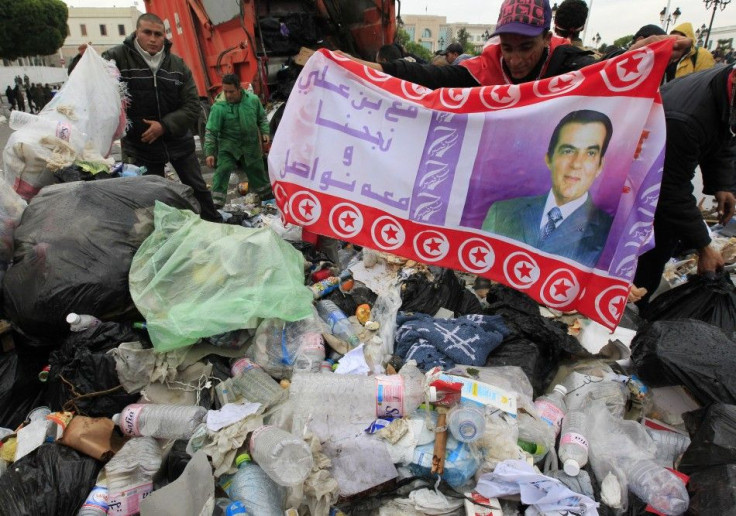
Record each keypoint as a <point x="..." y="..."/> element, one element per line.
<point x="609" y="18"/>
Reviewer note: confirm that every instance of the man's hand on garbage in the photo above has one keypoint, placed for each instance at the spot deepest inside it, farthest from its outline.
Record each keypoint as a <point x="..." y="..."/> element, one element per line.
<point x="154" y="132"/>
<point x="636" y="293"/>
<point x="726" y="204"/>
<point x="709" y="260"/>
<point x="210" y="161"/>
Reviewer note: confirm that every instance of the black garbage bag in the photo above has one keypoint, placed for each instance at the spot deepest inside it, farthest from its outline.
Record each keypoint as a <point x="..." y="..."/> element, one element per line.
<point x="420" y="294"/>
<point x="537" y="345"/>
<point x="713" y="438"/>
<point x="692" y="353"/>
<point x="74" y="247"/>
<point x="53" y="480"/>
<point x="710" y="299"/>
<point x="20" y="388"/>
<point x="76" y="173"/>
<point x="349" y="301"/>
<point x="82" y="367"/>
<point x="713" y="491"/>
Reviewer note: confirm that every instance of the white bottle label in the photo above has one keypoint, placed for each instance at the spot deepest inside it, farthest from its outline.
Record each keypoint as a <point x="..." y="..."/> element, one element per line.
<point x="389" y="396"/>
<point x="97" y="499"/>
<point x="550" y="414"/>
<point x="128" y="502"/>
<point x="129" y="419"/>
<point x="573" y="438"/>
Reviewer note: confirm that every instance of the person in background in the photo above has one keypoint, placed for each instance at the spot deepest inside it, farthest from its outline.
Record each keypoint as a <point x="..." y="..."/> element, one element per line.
<point x="570" y="20"/>
<point x="163" y="107"/>
<point x="388" y="53"/>
<point x="236" y="131"/>
<point x="11" y="97"/>
<point x="80" y="52"/>
<point x="454" y="54"/>
<point x="20" y="99"/>
<point x="695" y="60"/>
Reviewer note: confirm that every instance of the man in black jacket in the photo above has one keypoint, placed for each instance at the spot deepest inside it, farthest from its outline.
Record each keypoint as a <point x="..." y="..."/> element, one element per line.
<point x="701" y="120"/>
<point x="164" y="105"/>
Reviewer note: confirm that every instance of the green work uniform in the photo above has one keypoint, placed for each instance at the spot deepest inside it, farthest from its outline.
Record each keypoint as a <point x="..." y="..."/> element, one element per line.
<point x="232" y="136"/>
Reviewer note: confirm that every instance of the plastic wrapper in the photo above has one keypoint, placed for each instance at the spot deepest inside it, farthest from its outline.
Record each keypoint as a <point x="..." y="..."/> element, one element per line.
<point x="710" y="299"/>
<point x="425" y="294"/>
<point x="80" y="122"/>
<point x="384" y="313"/>
<point x="690" y="353"/>
<point x="193" y="279"/>
<point x="713" y="438"/>
<point x="54" y="479"/>
<point x="74" y="247"/>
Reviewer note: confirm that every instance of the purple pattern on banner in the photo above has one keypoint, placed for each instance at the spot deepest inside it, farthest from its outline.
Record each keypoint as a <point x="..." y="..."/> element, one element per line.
<point x="636" y="239"/>
<point x="437" y="167"/>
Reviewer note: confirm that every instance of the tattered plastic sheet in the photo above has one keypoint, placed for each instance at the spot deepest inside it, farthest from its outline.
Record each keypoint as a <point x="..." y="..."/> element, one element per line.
<point x="192" y="279"/>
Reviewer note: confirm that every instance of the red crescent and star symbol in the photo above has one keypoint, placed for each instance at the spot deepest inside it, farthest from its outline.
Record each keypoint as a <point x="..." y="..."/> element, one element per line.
<point x="521" y="270"/>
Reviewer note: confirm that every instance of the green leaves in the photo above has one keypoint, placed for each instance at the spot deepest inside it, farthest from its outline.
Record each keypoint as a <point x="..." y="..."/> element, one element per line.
<point x="32" y="27"/>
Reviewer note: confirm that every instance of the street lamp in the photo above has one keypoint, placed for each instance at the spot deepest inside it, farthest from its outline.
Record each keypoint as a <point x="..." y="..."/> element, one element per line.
<point x="487" y="35"/>
<point x="442" y="43"/>
<point x="700" y="33"/>
<point x="554" y="10"/>
<point x="665" y="17"/>
<point x="715" y="3"/>
<point x="596" y="39"/>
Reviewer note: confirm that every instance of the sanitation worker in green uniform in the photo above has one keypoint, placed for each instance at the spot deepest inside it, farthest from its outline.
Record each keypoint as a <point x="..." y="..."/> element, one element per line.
<point x="232" y="135"/>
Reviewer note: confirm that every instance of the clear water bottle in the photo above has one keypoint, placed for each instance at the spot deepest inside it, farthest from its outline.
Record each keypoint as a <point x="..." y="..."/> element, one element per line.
<point x="160" y="421"/>
<point x="337" y="321"/>
<point x="96" y="502"/>
<point x="670" y="445"/>
<point x="466" y="422"/>
<point x="552" y="407"/>
<point x="254" y="489"/>
<point x="656" y="486"/>
<point x="284" y="457"/>
<point x="81" y="322"/>
<point x="252" y="383"/>
<point x="573" y="443"/>
<point x="411" y="394"/>
<point x="307" y="336"/>
<point x="130" y="475"/>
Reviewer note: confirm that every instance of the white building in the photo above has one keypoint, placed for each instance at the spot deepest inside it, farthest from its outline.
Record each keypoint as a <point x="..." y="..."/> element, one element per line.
<point x="104" y="27"/>
<point x="434" y="33"/>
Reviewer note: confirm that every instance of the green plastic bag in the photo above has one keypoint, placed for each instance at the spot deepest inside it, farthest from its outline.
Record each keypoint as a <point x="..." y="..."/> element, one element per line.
<point x="192" y="279"/>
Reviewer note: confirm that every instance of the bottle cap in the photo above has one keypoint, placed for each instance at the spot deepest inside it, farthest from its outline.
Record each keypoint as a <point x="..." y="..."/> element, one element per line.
<point x="116" y="419"/>
<point x="432" y="394"/>
<point x="243" y="457"/>
<point x="571" y="467"/>
<point x="73" y="318"/>
<point x="561" y="389"/>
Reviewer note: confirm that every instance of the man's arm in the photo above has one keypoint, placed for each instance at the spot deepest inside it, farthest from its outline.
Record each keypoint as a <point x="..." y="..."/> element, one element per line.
<point x="261" y="118"/>
<point x="212" y="134"/>
<point x="431" y="76"/>
<point x="178" y="122"/>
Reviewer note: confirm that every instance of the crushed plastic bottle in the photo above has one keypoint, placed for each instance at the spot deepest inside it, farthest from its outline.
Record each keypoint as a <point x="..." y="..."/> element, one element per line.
<point x="253" y="488"/>
<point x="160" y="421"/>
<point x="252" y="383"/>
<point x="656" y="486"/>
<point x="96" y="502"/>
<point x="285" y="458"/>
<point x="337" y="321"/>
<point x="552" y="407"/>
<point x="130" y="475"/>
<point x="573" y="443"/>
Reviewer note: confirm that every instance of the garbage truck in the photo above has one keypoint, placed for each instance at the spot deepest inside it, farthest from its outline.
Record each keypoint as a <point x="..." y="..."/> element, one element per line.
<point x="257" y="39"/>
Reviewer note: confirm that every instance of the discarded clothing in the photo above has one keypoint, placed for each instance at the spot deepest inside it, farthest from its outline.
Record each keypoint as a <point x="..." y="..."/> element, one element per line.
<point x="466" y="340"/>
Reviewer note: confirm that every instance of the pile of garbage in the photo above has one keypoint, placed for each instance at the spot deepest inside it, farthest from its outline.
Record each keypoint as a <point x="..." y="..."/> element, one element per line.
<point x="156" y="363"/>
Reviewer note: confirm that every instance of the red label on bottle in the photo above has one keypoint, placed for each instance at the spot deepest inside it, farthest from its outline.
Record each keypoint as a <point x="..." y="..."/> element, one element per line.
<point x="573" y="438"/>
<point x="129" y="419"/>
<point x="389" y="396"/>
<point x="550" y="413"/>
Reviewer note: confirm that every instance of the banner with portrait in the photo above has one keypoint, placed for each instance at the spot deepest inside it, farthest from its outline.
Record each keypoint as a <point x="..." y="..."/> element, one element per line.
<point x="548" y="187"/>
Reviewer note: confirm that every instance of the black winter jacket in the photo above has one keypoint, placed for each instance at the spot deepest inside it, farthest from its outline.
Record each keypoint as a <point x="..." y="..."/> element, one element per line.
<point x="697" y="112"/>
<point x="170" y="98"/>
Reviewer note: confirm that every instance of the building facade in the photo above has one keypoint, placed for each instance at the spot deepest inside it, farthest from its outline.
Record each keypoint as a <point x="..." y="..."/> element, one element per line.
<point x="434" y="33"/>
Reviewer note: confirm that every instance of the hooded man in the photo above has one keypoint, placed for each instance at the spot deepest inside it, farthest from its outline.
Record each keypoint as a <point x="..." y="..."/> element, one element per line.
<point x="695" y="60"/>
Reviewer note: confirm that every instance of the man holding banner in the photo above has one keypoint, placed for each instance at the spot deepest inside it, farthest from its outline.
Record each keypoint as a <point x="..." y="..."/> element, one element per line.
<point x="564" y="221"/>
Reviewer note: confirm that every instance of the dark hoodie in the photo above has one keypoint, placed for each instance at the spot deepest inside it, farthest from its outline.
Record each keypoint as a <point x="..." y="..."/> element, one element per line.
<point x="169" y="97"/>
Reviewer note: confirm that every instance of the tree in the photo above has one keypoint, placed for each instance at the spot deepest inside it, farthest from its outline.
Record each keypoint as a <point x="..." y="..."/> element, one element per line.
<point x="623" y="41"/>
<point x="403" y="39"/>
<point x="32" y="27"/>
<point x="464" y="39"/>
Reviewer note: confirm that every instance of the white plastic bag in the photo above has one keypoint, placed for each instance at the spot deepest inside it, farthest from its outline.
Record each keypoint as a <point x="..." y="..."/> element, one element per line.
<point x="80" y="122"/>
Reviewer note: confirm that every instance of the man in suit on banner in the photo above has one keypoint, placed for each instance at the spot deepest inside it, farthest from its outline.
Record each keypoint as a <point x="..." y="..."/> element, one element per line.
<point x="563" y="221"/>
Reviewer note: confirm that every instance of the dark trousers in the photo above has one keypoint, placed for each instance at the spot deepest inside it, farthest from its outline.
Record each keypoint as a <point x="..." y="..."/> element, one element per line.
<point x="651" y="264"/>
<point x="190" y="173"/>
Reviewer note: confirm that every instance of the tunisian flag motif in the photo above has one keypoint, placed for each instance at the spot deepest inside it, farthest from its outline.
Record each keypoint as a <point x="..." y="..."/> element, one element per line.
<point x="465" y="177"/>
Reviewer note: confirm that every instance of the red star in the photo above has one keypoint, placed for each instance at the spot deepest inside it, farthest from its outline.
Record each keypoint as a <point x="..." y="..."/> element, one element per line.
<point x="524" y="270"/>
<point x="307" y="208"/>
<point x="502" y="93"/>
<point x="347" y="221"/>
<point x="432" y="246"/>
<point x="562" y="83"/>
<point x="390" y="233"/>
<point x="561" y="288"/>
<point x="631" y="65"/>
<point x="619" y="305"/>
<point x="479" y="256"/>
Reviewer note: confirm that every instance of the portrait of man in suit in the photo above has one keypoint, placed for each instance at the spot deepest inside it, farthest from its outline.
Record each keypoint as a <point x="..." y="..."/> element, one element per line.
<point x="563" y="221"/>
